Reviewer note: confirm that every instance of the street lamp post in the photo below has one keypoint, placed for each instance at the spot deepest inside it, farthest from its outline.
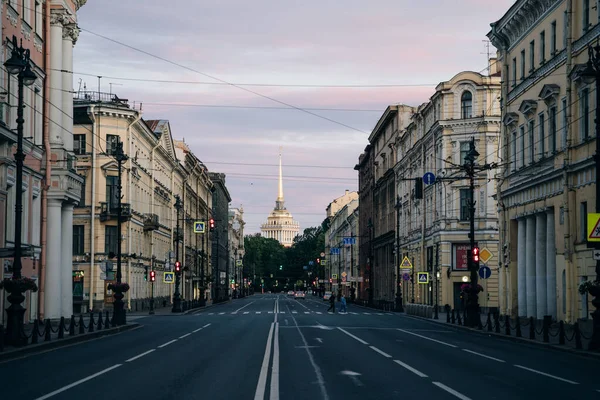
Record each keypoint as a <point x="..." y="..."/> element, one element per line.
<point x="177" y="296"/>
<point x="589" y="75"/>
<point x="472" y="301"/>
<point x="151" y="312"/>
<point x="399" y="305"/>
<point x="18" y="64"/>
<point x="118" y="304"/>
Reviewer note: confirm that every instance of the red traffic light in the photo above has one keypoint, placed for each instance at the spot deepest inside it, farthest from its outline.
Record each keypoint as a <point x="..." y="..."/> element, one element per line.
<point x="177" y="266"/>
<point x="476" y="254"/>
<point x="318" y="261"/>
<point x="152" y="276"/>
<point x="212" y="224"/>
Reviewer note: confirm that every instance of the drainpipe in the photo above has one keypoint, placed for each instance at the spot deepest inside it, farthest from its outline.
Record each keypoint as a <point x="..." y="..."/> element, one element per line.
<point x="95" y="132"/>
<point x="152" y="202"/>
<point x="130" y="136"/>
<point x="183" y="240"/>
<point x="48" y="166"/>
<point x="571" y="273"/>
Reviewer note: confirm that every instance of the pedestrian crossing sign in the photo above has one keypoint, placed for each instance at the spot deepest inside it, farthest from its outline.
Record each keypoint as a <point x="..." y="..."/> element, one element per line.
<point x="199" y="227"/>
<point x="406" y="263"/>
<point x="169" y="277"/>
<point x="593" y="225"/>
<point x="423" y="277"/>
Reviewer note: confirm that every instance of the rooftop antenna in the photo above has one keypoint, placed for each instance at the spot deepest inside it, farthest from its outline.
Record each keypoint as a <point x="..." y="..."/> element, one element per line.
<point x="487" y="53"/>
<point x="79" y="89"/>
<point x="99" y="78"/>
<point x="111" y="85"/>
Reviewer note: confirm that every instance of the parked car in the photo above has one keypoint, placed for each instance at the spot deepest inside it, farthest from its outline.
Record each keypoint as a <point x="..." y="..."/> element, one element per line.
<point x="300" y="296"/>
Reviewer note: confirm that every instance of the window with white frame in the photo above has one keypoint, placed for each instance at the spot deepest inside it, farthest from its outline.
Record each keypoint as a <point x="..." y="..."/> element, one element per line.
<point x="564" y="123"/>
<point x="464" y="204"/>
<point x="541" y="136"/>
<point x="513" y="151"/>
<point x="38" y="25"/>
<point x="464" y="151"/>
<point x="466" y="105"/>
<point x="584" y="114"/>
<point x="552" y="129"/>
<point x="521" y="149"/>
<point x="531" y="152"/>
<point x="553" y="38"/>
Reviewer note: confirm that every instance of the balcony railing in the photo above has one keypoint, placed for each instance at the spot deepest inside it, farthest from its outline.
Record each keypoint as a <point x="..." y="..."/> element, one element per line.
<point x="150" y="222"/>
<point x="109" y="211"/>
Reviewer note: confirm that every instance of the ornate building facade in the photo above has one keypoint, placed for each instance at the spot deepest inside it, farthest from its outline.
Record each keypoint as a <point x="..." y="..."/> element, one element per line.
<point x="548" y="142"/>
<point x="280" y="224"/>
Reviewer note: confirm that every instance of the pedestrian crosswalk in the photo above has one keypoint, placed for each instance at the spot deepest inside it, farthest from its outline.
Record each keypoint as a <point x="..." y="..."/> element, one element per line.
<point x="292" y="312"/>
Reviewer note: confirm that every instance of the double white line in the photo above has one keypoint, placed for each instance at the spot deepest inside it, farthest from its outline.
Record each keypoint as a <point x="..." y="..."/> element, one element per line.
<point x="272" y="341"/>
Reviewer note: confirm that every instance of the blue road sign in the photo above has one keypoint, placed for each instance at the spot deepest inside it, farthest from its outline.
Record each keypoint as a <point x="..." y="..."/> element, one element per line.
<point x="349" y="240"/>
<point x="169" y="277"/>
<point x="199" y="227"/>
<point x="335" y="250"/>
<point x="422" y="277"/>
<point x="305" y="267"/>
<point x="310" y="263"/>
<point x="429" y="178"/>
<point x="485" y="272"/>
<point x="406" y="276"/>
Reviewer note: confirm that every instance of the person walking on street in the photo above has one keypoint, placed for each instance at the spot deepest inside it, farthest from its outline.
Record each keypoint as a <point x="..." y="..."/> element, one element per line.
<point x="331" y="303"/>
<point x="343" y="306"/>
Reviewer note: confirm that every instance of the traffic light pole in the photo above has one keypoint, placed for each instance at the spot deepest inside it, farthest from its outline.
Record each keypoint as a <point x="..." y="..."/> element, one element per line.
<point x="472" y="298"/>
<point x="151" y="312"/>
<point x="177" y="296"/>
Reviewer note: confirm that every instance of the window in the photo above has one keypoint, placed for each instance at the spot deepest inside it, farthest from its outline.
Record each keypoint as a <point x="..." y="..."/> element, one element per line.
<point x="464" y="150"/>
<point x="532" y="56"/>
<point x="79" y="144"/>
<point x="553" y="38"/>
<point x="565" y="29"/>
<point x="464" y="204"/>
<point x="564" y="123"/>
<point x="26" y="12"/>
<point x="586" y="16"/>
<point x="522" y="64"/>
<point x="111" y="239"/>
<point x="513" y="151"/>
<point x="111" y="192"/>
<point x="530" y="128"/>
<point x="522" y="149"/>
<point x="584" y="114"/>
<point x="82" y="195"/>
<point x="583" y="221"/>
<point x="542" y="47"/>
<point x="541" y="136"/>
<point x="38" y="18"/>
<point x="552" y="128"/>
<point x="466" y="104"/>
<point x="514" y="71"/>
<point x="78" y="238"/>
<point x="111" y="144"/>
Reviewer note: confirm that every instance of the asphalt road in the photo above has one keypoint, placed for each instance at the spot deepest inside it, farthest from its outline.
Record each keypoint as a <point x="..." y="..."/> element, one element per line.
<point x="274" y="347"/>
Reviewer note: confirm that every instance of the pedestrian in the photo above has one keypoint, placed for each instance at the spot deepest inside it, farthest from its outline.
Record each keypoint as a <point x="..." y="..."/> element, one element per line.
<point x="331" y="303"/>
<point x="343" y="307"/>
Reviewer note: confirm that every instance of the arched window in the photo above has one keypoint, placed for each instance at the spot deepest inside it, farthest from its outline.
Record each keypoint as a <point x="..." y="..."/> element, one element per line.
<point x="466" y="105"/>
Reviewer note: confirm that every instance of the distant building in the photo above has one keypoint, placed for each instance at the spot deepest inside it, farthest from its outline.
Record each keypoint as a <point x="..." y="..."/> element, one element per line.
<point x="280" y="224"/>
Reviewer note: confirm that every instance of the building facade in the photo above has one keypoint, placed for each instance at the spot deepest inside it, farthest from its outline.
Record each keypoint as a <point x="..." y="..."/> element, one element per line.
<point x="433" y="220"/>
<point x="220" y="237"/>
<point x="280" y="224"/>
<point x="548" y="180"/>
<point x="236" y="249"/>
<point x="366" y="177"/>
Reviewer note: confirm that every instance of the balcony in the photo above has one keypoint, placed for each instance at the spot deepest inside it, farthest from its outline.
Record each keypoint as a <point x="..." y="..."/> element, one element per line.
<point x="150" y="222"/>
<point x="109" y="211"/>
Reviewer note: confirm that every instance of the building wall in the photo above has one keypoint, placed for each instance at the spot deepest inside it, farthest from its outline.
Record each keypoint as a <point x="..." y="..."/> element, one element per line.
<point x="220" y="236"/>
<point x="548" y="140"/>
<point x="365" y="213"/>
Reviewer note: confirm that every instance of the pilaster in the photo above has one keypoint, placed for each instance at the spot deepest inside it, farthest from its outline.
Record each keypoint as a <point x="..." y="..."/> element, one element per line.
<point x="53" y="282"/>
<point x="540" y="265"/>
<point x="66" y="265"/>
<point x="530" y="266"/>
<point x="522" y="267"/>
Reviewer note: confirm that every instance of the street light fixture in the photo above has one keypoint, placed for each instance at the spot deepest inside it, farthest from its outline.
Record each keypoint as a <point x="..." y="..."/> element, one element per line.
<point x="177" y="295"/>
<point x="18" y="64"/>
<point x="589" y="75"/>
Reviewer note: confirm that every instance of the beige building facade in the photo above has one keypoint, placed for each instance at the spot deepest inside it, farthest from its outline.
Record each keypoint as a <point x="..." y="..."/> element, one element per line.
<point x="236" y="248"/>
<point x="548" y="180"/>
<point x="433" y="225"/>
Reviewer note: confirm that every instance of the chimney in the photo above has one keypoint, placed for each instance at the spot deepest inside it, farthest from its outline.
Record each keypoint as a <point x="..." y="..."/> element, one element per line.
<point x="347" y="191"/>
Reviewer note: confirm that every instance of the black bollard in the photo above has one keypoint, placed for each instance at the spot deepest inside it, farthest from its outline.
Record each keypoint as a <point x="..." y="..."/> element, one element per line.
<point x="531" y="328"/>
<point x="489" y="322"/>
<point x="61" y="328"/>
<point x="546" y="328"/>
<point x="577" y="336"/>
<point x="453" y="316"/>
<point x="507" y="323"/>
<point x="81" y="324"/>
<point x="47" y="331"/>
<point x="99" y="320"/>
<point x="561" y="332"/>
<point x="107" y="322"/>
<point x="91" y="323"/>
<point x="518" y="327"/>
<point x="497" y="321"/>
<point x="34" y="333"/>
<point x="72" y="326"/>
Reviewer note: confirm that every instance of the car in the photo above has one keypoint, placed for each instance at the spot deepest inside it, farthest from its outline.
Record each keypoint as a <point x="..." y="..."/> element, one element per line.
<point x="291" y="293"/>
<point x="300" y="295"/>
<point x="326" y="296"/>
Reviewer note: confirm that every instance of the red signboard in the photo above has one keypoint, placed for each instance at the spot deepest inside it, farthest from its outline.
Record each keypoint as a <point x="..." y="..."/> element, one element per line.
<point x="461" y="253"/>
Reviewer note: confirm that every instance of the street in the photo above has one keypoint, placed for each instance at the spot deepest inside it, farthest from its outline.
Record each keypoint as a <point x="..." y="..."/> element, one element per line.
<point x="272" y="347"/>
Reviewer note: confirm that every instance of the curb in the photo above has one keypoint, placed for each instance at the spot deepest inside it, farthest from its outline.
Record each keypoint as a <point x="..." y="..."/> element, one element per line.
<point x="521" y="340"/>
<point x="181" y="313"/>
<point x="67" y="341"/>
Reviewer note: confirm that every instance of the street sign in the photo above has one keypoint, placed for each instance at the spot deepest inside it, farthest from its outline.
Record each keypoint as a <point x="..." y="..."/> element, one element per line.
<point x="423" y="277"/>
<point x="406" y="263"/>
<point x="323" y="262"/>
<point x="349" y="241"/>
<point x="311" y="263"/>
<point x="305" y="267"/>
<point x="322" y="254"/>
<point x="344" y="274"/>
<point x="406" y="276"/>
<point x="485" y="255"/>
<point x="238" y="263"/>
<point x="335" y="251"/>
<point x="169" y="277"/>
<point x="485" y="272"/>
<point x="593" y="224"/>
<point x="333" y="276"/>
<point x="199" y="227"/>
<point x="596" y="255"/>
<point x="429" y="178"/>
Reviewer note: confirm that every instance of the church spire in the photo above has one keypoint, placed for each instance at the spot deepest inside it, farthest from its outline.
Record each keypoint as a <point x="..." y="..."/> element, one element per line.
<point x="279" y="202"/>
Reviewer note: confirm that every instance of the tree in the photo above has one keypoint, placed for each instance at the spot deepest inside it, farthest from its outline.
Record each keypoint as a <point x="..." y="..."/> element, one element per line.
<point x="262" y="259"/>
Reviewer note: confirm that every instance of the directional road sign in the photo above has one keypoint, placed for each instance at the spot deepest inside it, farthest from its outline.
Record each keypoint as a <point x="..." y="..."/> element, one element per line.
<point x="423" y="277"/>
<point x="335" y="251"/>
<point x="239" y="263"/>
<point x="406" y="276"/>
<point x="349" y="241"/>
<point x="169" y="277"/>
<point x="333" y="276"/>
<point x="485" y="272"/>
<point x="485" y="255"/>
<point x="596" y="255"/>
<point x="593" y="223"/>
<point x="311" y="262"/>
<point x="199" y="226"/>
<point x="406" y="263"/>
<point x="323" y="262"/>
<point x="429" y="178"/>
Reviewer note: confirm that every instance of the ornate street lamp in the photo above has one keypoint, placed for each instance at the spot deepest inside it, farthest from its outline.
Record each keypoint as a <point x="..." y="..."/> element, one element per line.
<point x="589" y="75"/>
<point x="18" y="64"/>
<point x="177" y="296"/>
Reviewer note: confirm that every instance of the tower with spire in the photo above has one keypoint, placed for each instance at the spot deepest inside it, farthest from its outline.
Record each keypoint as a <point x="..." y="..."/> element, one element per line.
<point x="280" y="224"/>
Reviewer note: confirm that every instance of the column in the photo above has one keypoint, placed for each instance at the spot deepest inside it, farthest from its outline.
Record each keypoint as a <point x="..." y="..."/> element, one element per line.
<point x="52" y="294"/>
<point x="551" y="289"/>
<point x="530" y="266"/>
<point x="521" y="268"/>
<point x="540" y="265"/>
<point x="69" y="36"/>
<point x="66" y="265"/>
<point x="56" y="96"/>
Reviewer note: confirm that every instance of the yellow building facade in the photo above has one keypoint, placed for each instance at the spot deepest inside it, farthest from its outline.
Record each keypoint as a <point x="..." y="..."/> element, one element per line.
<point x="548" y="181"/>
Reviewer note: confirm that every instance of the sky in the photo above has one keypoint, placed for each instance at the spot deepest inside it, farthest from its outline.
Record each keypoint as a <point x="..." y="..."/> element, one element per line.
<point x="239" y="79"/>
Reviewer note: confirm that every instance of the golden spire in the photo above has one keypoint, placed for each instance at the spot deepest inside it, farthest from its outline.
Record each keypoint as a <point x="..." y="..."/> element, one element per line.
<point x="280" y="194"/>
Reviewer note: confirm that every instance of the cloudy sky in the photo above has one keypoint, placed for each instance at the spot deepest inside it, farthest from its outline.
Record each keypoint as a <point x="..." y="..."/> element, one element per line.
<point x="237" y="79"/>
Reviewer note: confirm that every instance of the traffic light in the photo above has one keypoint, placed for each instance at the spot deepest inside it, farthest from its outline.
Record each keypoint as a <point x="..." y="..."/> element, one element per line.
<point x="476" y="254"/>
<point x="212" y="224"/>
<point x="146" y="273"/>
<point x="281" y="267"/>
<point x="152" y="276"/>
<point x="318" y="261"/>
<point x="177" y="266"/>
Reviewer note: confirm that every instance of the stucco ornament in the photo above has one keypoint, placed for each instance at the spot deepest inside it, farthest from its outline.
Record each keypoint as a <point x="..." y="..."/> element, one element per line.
<point x="79" y="4"/>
